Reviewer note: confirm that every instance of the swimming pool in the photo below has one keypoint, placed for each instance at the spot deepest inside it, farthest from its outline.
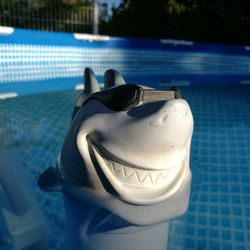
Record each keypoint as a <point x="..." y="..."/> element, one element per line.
<point x="218" y="216"/>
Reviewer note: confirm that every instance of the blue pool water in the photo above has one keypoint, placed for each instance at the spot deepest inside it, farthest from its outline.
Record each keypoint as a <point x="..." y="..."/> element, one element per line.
<point x="218" y="216"/>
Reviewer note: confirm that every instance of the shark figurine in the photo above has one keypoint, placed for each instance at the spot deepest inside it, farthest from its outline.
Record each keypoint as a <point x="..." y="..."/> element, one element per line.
<point x="127" y="151"/>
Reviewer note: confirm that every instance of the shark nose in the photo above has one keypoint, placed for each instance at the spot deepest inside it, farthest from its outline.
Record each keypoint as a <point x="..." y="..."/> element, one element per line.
<point x="170" y="113"/>
<point x="172" y="125"/>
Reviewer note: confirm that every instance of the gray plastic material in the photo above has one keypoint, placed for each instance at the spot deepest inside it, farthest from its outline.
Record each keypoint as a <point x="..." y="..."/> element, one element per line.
<point x="90" y="86"/>
<point x="24" y="221"/>
<point x="90" y="228"/>
<point x="113" y="78"/>
<point x="110" y="151"/>
<point x="124" y="174"/>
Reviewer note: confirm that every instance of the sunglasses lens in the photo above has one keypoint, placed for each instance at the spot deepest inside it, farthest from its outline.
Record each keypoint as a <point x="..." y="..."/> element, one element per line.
<point x="121" y="98"/>
<point x="127" y="96"/>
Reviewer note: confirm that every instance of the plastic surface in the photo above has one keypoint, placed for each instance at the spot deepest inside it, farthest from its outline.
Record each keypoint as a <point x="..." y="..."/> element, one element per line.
<point x="113" y="78"/>
<point x="145" y="160"/>
<point x="132" y="165"/>
<point x="51" y="61"/>
<point x="93" y="228"/>
<point x="140" y="156"/>
<point x="90" y="86"/>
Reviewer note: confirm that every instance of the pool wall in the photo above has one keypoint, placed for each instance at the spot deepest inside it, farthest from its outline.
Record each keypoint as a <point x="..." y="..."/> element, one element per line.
<point x="37" y="61"/>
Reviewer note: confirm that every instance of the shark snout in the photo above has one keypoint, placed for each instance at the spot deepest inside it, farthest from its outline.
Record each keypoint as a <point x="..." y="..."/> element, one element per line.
<point x="172" y="111"/>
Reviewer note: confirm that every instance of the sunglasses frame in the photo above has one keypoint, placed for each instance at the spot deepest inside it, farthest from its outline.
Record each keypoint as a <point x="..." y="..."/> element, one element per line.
<point x="139" y="95"/>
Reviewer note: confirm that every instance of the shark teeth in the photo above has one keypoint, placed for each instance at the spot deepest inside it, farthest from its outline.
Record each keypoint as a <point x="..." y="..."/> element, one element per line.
<point x="140" y="177"/>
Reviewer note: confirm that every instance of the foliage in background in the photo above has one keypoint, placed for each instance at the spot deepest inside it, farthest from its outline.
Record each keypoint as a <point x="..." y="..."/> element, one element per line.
<point x="219" y="21"/>
<point x="52" y="15"/>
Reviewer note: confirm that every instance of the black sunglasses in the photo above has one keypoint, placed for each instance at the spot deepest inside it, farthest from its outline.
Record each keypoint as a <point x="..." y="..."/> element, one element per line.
<point x="127" y="96"/>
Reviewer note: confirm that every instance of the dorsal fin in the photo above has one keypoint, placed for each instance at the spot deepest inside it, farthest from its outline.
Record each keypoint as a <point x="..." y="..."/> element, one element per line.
<point x="90" y="86"/>
<point x="90" y="82"/>
<point x="113" y="78"/>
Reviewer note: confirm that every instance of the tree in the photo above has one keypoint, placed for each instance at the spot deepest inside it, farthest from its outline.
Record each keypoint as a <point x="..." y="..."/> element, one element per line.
<point x="219" y="21"/>
<point x="138" y="18"/>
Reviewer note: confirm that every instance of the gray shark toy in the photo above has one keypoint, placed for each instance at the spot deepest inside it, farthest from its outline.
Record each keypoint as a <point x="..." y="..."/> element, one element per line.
<point x="124" y="166"/>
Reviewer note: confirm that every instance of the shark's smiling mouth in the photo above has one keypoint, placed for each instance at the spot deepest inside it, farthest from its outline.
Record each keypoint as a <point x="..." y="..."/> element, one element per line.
<point x="139" y="177"/>
<point x="136" y="184"/>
